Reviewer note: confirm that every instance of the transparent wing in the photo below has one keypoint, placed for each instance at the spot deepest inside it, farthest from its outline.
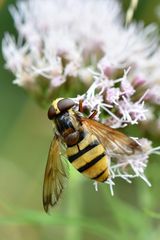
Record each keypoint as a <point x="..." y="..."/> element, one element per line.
<point x="55" y="175"/>
<point x="114" y="141"/>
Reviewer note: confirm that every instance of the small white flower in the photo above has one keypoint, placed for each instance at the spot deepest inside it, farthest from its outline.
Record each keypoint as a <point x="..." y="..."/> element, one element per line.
<point x="106" y="67"/>
<point x="112" y="95"/>
<point x="132" y="166"/>
<point x="139" y="80"/>
<point x="132" y="112"/>
<point x="154" y="94"/>
<point x="127" y="88"/>
<point x="71" y="69"/>
<point x="57" y="81"/>
<point x="85" y="75"/>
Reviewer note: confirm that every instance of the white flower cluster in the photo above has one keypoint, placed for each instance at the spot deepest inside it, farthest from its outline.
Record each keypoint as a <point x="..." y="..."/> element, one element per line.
<point x="116" y="105"/>
<point x="58" y="39"/>
<point x="129" y="167"/>
<point x="62" y="39"/>
<point x="115" y="98"/>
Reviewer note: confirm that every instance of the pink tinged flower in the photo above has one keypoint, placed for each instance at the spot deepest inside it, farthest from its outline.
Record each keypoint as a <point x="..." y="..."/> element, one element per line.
<point x="138" y="81"/>
<point x="126" y="88"/>
<point x="85" y="75"/>
<point x="49" y="69"/>
<point x="112" y="95"/>
<point x="153" y="94"/>
<point x="132" y="112"/>
<point x="118" y="105"/>
<point x="14" y="53"/>
<point x="71" y="69"/>
<point x="106" y="67"/>
<point x="57" y="81"/>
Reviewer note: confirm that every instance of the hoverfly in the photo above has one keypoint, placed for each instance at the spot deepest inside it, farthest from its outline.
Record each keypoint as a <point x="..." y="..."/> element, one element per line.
<point x="85" y="141"/>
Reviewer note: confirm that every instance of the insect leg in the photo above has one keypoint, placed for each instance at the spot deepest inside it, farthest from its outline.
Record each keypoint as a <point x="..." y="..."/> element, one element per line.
<point x="93" y="114"/>
<point x="81" y="105"/>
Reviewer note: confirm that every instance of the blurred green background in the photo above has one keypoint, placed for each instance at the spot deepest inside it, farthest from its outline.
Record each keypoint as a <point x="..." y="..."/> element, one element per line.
<point x="83" y="213"/>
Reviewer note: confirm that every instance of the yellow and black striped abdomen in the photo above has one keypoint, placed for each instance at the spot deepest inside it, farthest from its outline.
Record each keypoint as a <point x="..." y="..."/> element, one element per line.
<point x="89" y="158"/>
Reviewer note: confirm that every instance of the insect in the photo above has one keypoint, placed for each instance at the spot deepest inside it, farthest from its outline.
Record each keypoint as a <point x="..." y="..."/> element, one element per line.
<point x="85" y="141"/>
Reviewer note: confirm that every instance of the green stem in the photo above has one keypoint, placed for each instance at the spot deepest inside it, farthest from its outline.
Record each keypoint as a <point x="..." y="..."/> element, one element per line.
<point x="130" y="12"/>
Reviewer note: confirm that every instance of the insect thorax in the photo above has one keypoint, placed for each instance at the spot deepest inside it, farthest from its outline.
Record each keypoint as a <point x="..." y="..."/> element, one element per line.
<point x="67" y="124"/>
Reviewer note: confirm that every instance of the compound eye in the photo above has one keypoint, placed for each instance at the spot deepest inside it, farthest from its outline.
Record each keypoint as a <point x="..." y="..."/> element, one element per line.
<point x="51" y="113"/>
<point x="65" y="104"/>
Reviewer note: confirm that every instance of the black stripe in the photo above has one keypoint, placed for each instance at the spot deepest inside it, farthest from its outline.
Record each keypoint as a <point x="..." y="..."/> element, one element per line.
<point x="100" y="174"/>
<point x="83" y="151"/>
<point x="105" y="179"/>
<point x="91" y="163"/>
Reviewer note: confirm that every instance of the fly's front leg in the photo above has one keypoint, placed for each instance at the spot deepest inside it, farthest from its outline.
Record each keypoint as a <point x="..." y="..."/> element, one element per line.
<point x="81" y="109"/>
<point x="81" y="106"/>
<point x="94" y="113"/>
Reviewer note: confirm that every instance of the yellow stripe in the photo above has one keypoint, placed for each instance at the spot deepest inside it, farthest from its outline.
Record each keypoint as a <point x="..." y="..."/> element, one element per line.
<point x="72" y="150"/>
<point x="88" y="156"/>
<point x="86" y="141"/>
<point x="97" y="168"/>
<point x="54" y="104"/>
